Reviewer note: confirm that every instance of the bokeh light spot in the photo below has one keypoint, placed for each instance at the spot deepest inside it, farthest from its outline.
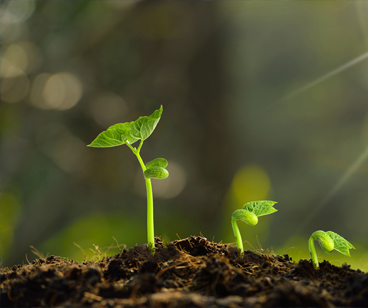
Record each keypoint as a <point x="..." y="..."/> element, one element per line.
<point x="250" y="183"/>
<point x="167" y="188"/>
<point x="173" y="186"/>
<point x="62" y="91"/>
<point x="35" y="97"/>
<point x="13" y="62"/>
<point x="17" y="11"/>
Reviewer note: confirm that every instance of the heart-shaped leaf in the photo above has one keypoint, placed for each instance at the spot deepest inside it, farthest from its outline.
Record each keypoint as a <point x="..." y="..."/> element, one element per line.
<point x="131" y="132"/>
<point x="260" y="208"/>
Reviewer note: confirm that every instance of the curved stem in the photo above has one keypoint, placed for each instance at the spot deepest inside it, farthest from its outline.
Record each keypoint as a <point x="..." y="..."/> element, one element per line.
<point x="312" y="251"/>
<point x="238" y="238"/>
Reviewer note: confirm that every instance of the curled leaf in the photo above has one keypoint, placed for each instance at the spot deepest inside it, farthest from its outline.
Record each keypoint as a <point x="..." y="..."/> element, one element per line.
<point x="156" y="173"/>
<point x="324" y="240"/>
<point x="246" y="216"/>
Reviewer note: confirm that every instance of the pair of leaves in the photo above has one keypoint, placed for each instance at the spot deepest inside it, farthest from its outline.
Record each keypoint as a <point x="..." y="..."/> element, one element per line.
<point x="156" y="169"/>
<point x="128" y="132"/>
<point x="251" y="210"/>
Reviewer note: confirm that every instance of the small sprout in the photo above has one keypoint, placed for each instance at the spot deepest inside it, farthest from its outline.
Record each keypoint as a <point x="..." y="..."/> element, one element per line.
<point x="249" y="214"/>
<point x="328" y="241"/>
<point x="128" y="133"/>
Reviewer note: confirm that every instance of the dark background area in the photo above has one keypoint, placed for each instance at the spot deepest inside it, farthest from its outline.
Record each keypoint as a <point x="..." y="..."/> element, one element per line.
<point x="262" y="100"/>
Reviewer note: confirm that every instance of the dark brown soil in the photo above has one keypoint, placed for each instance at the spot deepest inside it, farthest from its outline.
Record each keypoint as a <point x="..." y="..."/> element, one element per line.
<point x="192" y="272"/>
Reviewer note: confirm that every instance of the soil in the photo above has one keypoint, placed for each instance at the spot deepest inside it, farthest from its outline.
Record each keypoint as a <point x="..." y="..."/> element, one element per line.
<point x="191" y="272"/>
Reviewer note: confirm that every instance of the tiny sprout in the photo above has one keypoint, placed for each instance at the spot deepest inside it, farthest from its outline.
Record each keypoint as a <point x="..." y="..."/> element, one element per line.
<point x="328" y="241"/>
<point x="129" y="133"/>
<point x="249" y="214"/>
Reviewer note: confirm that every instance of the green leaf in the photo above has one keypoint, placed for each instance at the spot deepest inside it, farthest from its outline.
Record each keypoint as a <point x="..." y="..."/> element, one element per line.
<point x="114" y="136"/>
<point x="158" y="162"/>
<point x="244" y="215"/>
<point x="260" y="208"/>
<point x="144" y="126"/>
<point x="341" y="244"/>
<point x="131" y="132"/>
<point x="156" y="173"/>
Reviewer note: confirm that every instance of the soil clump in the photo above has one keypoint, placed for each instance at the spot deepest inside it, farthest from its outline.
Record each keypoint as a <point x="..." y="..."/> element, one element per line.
<point x="191" y="272"/>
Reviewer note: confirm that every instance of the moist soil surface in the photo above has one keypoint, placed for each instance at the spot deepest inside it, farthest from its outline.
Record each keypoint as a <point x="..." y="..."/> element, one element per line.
<point x="191" y="272"/>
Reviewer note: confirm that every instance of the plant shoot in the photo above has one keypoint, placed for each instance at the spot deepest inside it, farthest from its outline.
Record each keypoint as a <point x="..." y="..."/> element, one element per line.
<point x="129" y="133"/>
<point x="249" y="214"/>
<point x="328" y="241"/>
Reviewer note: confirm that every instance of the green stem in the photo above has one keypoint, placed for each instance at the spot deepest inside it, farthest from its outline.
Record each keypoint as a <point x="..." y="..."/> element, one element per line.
<point x="150" y="226"/>
<point x="238" y="238"/>
<point x="313" y="253"/>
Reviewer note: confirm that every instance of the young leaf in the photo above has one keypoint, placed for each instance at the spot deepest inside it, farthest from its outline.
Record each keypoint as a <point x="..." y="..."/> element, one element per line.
<point x="131" y="132"/>
<point x="156" y="173"/>
<point x="114" y="136"/>
<point x="158" y="162"/>
<point x="260" y="208"/>
<point x="144" y="126"/>
<point x="340" y="244"/>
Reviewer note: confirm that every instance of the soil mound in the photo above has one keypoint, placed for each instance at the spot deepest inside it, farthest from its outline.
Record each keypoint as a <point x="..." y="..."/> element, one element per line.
<point x="191" y="272"/>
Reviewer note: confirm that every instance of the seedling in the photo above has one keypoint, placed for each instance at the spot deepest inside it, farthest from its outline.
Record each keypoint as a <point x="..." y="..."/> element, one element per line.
<point x="129" y="133"/>
<point x="249" y="214"/>
<point x="329" y="241"/>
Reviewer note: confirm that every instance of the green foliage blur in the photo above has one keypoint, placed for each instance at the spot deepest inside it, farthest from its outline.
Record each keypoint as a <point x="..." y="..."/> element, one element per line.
<point x="262" y="100"/>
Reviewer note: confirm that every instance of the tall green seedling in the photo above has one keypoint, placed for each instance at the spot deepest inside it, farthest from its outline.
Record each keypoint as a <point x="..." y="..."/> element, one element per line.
<point x="249" y="214"/>
<point x="129" y="133"/>
<point x="328" y="241"/>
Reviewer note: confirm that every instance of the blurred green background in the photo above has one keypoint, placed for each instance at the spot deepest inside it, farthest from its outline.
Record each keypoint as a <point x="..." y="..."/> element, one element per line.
<point x="262" y="100"/>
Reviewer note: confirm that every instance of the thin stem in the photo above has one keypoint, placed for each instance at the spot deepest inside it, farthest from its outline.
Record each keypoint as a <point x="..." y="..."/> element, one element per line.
<point x="238" y="238"/>
<point x="150" y="226"/>
<point x="312" y="251"/>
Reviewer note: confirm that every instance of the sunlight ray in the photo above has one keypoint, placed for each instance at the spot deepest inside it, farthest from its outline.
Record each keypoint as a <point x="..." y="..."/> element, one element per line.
<point x="326" y="76"/>
<point x="343" y="180"/>
<point x="316" y="81"/>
